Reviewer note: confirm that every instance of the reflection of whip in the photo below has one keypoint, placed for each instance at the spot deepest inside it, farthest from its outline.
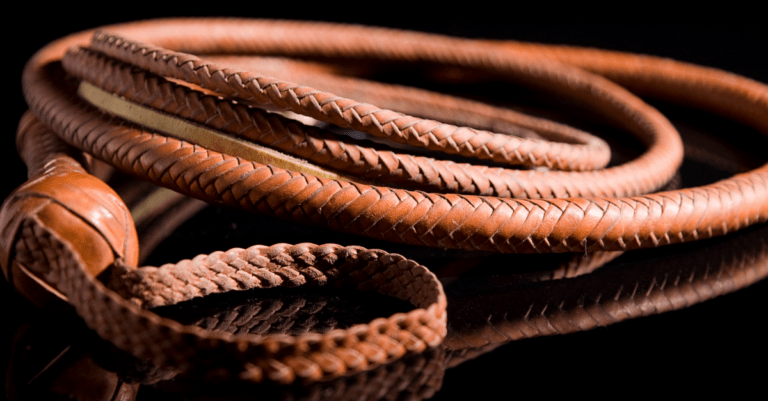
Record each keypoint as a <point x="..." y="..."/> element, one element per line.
<point x="650" y="285"/>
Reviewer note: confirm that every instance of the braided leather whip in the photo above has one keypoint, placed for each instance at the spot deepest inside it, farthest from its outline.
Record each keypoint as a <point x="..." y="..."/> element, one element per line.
<point x="64" y="229"/>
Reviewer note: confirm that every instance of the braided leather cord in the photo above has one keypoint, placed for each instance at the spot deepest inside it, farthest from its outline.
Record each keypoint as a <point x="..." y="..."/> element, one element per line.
<point x="343" y="112"/>
<point x="362" y="162"/>
<point x="278" y="358"/>
<point x="413" y="100"/>
<point x="452" y="221"/>
<point x="38" y="151"/>
<point x="658" y="164"/>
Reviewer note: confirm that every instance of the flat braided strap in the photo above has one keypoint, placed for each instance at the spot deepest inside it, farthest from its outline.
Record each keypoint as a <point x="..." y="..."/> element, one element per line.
<point x="279" y="358"/>
<point x="69" y="231"/>
<point x="441" y="220"/>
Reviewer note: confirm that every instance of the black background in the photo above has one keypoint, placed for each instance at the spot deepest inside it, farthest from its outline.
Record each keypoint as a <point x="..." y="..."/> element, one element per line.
<point x="718" y="344"/>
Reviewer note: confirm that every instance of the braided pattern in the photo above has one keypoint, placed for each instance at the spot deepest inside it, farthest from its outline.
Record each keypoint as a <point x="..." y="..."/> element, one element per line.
<point x="343" y="112"/>
<point x="368" y="163"/>
<point x="39" y="151"/>
<point x="292" y="316"/>
<point x="275" y="357"/>
<point x="413" y="100"/>
<point x="452" y="221"/>
<point x="607" y="297"/>
<point x="417" y="377"/>
<point x="439" y="220"/>
<point x="488" y="217"/>
<point x="263" y="267"/>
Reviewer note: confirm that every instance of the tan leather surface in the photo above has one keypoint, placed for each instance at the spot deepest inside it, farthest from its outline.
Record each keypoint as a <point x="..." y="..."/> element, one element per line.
<point x="66" y="226"/>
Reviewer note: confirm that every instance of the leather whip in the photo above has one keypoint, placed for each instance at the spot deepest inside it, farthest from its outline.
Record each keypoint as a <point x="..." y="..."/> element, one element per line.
<point x="182" y="103"/>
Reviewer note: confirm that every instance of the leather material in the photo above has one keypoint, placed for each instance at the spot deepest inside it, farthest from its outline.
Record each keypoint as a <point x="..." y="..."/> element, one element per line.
<point x="445" y="220"/>
<point x="67" y="227"/>
<point x="66" y="199"/>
